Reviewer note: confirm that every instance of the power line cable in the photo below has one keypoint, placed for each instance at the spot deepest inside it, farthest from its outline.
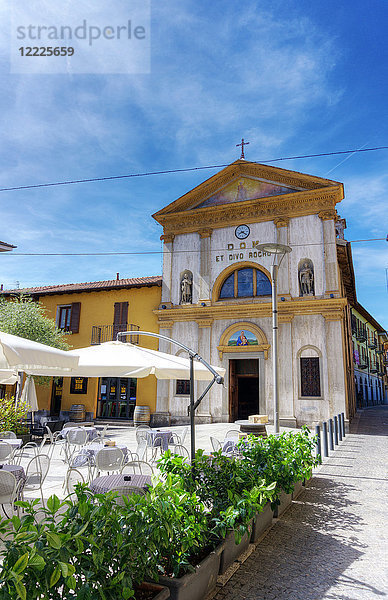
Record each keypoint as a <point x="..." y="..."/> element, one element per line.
<point x="151" y="252"/>
<point x="169" y="171"/>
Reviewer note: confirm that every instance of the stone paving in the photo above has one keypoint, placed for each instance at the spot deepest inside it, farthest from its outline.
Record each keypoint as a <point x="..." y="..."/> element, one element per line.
<point x="331" y="544"/>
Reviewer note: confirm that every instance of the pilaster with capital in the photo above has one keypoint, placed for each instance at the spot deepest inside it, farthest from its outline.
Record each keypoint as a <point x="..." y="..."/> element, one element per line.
<point x="336" y="392"/>
<point x="284" y="271"/>
<point x="204" y="350"/>
<point x="328" y="218"/>
<point x="161" y="416"/>
<point x="205" y="263"/>
<point x="168" y="240"/>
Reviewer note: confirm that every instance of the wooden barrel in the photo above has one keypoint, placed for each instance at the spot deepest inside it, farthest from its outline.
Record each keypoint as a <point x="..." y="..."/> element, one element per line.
<point x="141" y="415"/>
<point x="77" y="413"/>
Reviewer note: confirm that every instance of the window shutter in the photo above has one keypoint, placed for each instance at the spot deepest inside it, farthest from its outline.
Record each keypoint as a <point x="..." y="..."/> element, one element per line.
<point x="74" y="317"/>
<point x="120" y="318"/>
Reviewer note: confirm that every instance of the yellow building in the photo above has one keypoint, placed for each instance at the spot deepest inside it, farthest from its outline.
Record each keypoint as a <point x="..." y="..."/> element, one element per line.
<point x="92" y="313"/>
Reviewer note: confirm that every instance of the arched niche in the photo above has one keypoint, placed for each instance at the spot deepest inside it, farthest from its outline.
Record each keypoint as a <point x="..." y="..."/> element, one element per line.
<point x="186" y="287"/>
<point x="256" y="340"/>
<point x="306" y="277"/>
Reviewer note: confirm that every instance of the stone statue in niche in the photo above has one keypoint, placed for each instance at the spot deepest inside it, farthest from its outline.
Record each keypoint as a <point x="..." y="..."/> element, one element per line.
<point x="187" y="288"/>
<point x="306" y="278"/>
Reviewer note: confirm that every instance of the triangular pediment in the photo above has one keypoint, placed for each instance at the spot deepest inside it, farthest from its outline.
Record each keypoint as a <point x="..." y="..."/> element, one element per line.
<point x="250" y="190"/>
<point x="243" y="189"/>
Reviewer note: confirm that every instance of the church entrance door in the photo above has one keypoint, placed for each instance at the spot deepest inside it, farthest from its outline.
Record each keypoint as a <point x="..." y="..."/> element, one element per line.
<point x="243" y="388"/>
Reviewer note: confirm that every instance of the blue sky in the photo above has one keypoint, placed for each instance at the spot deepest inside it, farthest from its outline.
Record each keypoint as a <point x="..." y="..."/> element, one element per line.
<point x="293" y="78"/>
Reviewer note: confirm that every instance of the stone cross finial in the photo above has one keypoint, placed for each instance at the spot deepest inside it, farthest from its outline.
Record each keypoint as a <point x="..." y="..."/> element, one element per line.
<point x="242" y="147"/>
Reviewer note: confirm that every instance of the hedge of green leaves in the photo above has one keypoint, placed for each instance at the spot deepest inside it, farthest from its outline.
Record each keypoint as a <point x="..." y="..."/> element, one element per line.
<point x="91" y="548"/>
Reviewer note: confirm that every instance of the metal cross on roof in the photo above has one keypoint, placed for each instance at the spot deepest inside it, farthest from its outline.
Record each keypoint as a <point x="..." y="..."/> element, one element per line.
<point x="242" y="147"/>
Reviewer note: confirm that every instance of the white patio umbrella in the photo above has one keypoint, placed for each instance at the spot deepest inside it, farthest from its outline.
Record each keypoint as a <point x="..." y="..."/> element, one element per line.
<point x="8" y="377"/>
<point x="20" y="354"/>
<point x="122" y="359"/>
<point x="29" y="394"/>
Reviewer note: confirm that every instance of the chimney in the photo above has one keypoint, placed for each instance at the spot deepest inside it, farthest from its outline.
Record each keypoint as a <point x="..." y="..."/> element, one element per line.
<point x="117" y="276"/>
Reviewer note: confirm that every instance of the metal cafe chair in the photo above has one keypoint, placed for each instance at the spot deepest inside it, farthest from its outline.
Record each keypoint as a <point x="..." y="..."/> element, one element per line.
<point x="36" y="473"/>
<point x="9" y="490"/>
<point x="6" y="451"/>
<point x="216" y="444"/>
<point x="110" y="460"/>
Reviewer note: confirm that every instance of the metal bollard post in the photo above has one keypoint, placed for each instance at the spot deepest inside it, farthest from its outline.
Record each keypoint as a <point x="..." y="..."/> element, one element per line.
<point x="336" y="431"/>
<point x="331" y="435"/>
<point x="339" y="428"/>
<point x="343" y="424"/>
<point x="318" y="442"/>
<point x="324" y="439"/>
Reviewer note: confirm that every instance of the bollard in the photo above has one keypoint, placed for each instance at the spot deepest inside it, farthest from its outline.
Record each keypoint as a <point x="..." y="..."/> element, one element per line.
<point x="318" y="442"/>
<point x="339" y="428"/>
<point x="324" y="439"/>
<point x="335" y="431"/>
<point x="331" y="434"/>
<point x="343" y="424"/>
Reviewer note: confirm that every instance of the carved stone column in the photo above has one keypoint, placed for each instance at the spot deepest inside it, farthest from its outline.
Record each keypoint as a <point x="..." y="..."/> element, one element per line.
<point x="204" y="349"/>
<point x="167" y="266"/>
<point x="328" y="218"/>
<point x="284" y="271"/>
<point x="161" y="416"/>
<point x="337" y="389"/>
<point x="205" y="264"/>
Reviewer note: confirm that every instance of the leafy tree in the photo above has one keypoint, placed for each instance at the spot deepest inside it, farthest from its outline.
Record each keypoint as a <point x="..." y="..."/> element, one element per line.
<point x="27" y="318"/>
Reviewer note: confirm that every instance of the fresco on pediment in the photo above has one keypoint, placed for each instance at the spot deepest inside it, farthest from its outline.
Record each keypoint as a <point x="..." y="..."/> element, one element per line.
<point x="245" y="189"/>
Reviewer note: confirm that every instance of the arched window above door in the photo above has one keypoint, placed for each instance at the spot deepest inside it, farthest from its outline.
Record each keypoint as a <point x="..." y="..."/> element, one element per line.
<point x="245" y="282"/>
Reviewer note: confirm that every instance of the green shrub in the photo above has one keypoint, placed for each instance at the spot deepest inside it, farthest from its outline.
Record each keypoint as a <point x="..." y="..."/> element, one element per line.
<point x="13" y="417"/>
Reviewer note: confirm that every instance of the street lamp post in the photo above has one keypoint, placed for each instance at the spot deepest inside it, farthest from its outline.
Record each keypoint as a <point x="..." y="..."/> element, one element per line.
<point x="278" y="250"/>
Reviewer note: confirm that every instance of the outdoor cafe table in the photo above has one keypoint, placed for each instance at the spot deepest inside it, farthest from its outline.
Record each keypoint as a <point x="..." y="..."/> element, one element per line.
<point x="91" y="431"/>
<point x="160" y="438"/>
<point x="16" y="470"/>
<point x="91" y="450"/>
<point x="108" y="483"/>
<point x="14" y="442"/>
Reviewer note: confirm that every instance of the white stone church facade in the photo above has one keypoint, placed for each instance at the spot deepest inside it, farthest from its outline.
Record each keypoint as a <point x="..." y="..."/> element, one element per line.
<point x="216" y="295"/>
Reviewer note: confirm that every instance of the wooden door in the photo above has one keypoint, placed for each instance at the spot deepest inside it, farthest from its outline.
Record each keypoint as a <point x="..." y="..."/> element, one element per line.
<point x="233" y="392"/>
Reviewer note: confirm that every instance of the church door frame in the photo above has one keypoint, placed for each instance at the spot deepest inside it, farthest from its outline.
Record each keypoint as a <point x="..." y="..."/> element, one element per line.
<point x="233" y="389"/>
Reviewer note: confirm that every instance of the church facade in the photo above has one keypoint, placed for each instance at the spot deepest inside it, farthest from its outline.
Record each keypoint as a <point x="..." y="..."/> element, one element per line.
<point x="216" y="295"/>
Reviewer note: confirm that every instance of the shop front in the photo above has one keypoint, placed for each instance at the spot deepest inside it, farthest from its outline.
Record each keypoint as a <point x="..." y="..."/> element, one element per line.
<point x="116" y="398"/>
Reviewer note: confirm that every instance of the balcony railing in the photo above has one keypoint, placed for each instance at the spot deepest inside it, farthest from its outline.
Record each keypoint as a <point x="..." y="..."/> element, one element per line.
<point x="108" y="333"/>
<point x="372" y="342"/>
<point x="361" y="335"/>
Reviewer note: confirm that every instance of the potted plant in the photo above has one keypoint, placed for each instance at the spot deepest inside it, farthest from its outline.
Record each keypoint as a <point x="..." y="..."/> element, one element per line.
<point x="184" y="552"/>
<point x="230" y="490"/>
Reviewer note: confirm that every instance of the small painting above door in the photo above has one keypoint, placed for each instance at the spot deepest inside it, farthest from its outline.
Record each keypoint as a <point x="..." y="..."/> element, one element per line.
<point x="243" y="337"/>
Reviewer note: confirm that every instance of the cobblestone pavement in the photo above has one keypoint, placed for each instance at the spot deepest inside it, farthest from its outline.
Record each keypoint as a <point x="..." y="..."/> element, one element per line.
<point x="331" y="543"/>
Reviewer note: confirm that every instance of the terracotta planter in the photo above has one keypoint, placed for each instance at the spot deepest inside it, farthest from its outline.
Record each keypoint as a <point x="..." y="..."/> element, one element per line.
<point x="232" y="551"/>
<point x="285" y="501"/>
<point x="197" y="585"/>
<point x="160" y="592"/>
<point x="261" y="522"/>
<point x="298" y="489"/>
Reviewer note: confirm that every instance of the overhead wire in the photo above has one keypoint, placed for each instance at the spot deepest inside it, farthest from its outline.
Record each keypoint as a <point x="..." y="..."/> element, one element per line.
<point x="146" y="252"/>
<point x="185" y="170"/>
